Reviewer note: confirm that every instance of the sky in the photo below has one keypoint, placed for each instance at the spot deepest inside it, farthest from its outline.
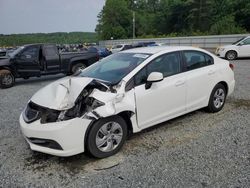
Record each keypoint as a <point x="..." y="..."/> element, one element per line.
<point x="46" y="16"/>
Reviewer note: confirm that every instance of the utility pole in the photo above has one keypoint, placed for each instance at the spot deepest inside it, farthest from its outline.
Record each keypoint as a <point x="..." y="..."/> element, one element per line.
<point x="134" y="8"/>
<point x="133" y="24"/>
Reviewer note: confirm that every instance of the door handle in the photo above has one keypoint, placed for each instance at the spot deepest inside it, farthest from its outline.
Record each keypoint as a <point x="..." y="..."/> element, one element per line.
<point x="179" y="83"/>
<point x="211" y="72"/>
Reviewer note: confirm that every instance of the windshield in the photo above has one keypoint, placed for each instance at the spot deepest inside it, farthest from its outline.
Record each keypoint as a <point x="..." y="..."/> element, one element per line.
<point x="239" y="40"/>
<point x="115" y="67"/>
<point x="12" y="54"/>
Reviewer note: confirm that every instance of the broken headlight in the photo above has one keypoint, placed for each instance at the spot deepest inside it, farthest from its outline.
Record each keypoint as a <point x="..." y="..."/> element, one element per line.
<point x="94" y="103"/>
<point x="80" y="109"/>
<point x="69" y="114"/>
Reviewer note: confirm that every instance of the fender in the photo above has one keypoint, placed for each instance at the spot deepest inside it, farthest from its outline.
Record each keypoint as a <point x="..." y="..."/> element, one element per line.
<point x="77" y="59"/>
<point x="5" y="63"/>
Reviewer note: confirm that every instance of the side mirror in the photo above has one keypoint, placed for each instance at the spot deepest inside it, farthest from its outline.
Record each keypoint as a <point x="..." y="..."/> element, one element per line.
<point x="21" y="56"/>
<point x="153" y="77"/>
<point x="27" y="56"/>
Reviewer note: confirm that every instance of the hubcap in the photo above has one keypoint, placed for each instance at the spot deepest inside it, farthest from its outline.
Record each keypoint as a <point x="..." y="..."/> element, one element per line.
<point x="231" y="55"/>
<point x="80" y="68"/>
<point x="109" y="136"/>
<point x="7" y="79"/>
<point x="219" y="98"/>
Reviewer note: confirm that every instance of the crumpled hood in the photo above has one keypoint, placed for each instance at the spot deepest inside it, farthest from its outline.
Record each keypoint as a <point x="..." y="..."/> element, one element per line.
<point x="61" y="94"/>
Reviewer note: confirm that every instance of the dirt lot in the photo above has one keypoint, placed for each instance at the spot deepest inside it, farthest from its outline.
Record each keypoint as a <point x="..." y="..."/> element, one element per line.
<point x="195" y="150"/>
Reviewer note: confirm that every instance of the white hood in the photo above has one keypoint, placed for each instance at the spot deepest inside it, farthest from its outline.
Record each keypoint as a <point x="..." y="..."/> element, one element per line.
<point x="227" y="46"/>
<point x="61" y="94"/>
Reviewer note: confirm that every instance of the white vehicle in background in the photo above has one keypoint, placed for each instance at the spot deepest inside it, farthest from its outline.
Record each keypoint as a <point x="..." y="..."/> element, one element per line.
<point x="240" y="48"/>
<point x="125" y="92"/>
<point x="120" y="47"/>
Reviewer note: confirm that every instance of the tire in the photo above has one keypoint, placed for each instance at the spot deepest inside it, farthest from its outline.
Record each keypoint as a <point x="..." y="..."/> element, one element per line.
<point x="7" y="79"/>
<point x="217" y="98"/>
<point x="231" y="55"/>
<point x="110" y="142"/>
<point x="77" y="67"/>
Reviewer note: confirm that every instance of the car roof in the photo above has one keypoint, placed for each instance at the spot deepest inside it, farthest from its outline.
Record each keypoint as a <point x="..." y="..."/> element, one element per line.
<point x="157" y="49"/>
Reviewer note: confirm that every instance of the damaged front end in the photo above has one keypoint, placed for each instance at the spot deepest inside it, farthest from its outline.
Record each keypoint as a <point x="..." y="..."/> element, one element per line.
<point x="75" y="97"/>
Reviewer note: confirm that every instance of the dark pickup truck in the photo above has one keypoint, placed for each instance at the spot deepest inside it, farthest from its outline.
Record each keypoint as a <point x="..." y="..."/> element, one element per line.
<point x="35" y="60"/>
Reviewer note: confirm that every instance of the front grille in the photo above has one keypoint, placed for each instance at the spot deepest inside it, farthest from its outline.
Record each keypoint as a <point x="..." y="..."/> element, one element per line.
<point x="34" y="112"/>
<point x="45" y="143"/>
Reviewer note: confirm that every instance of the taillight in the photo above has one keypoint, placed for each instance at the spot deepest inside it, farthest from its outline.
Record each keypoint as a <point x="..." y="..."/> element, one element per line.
<point x="231" y="66"/>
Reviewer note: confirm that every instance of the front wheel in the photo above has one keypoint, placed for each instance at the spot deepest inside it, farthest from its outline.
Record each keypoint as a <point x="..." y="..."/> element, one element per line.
<point x="107" y="136"/>
<point x="217" y="98"/>
<point x="76" y="68"/>
<point x="231" y="55"/>
<point x="7" y="79"/>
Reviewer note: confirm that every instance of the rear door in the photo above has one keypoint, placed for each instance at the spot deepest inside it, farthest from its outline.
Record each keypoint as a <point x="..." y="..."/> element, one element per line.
<point x="165" y="99"/>
<point x="52" y="58"/>
<point x="201" y="76"/>
<point x="27" y="61"/>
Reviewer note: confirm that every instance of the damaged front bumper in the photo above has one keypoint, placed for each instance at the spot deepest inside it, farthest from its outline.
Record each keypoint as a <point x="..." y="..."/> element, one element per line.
<point x="64" y="138"/>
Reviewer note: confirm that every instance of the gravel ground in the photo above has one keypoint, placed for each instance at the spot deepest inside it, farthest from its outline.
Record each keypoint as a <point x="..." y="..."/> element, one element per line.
<point x="196" y="150"/>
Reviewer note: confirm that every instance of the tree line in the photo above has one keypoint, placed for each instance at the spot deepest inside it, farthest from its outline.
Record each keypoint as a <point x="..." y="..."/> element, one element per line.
<point x="57" y="38"/>
<point x="161" y="18"/>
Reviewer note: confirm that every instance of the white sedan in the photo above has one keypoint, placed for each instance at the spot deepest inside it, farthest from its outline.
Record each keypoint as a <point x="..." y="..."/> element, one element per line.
<point x="127" y="91"/>
<point x="240" y="48"/>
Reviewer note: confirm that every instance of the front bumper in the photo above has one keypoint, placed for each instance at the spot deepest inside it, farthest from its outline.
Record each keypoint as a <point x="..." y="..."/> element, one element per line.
<point x="220" y="53"/>
<point x="68" y="134"/>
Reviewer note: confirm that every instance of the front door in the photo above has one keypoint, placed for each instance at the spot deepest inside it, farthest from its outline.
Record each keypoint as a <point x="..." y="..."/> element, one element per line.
<point x="165" y="99"/>
<point x="27" y="62"/>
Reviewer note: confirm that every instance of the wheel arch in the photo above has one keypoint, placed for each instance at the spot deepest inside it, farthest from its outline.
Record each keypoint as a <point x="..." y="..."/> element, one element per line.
<point x="15" y="74"/>
<point x="126" y="115"/>
<point x="224" y="84"/>
<point x="74" y="62"/>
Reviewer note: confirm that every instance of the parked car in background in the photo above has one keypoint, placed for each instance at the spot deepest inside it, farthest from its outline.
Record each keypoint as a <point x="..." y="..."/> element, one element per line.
<point x="238" y="49"/>
<point x="127" y="91"/>
<point x="35" y="60"/>
<point x="3" y="53"/>
<point x="120" y="47"/>
<point x="103" y="52"/>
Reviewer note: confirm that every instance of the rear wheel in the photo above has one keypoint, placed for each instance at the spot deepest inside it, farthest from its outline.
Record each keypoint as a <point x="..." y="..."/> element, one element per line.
<point x="7" y="79"/>
<point x="107" y="136"/>
<point x="77" y="67"/>
<point x="217" y="98"/>
<point x="231" y="55"/>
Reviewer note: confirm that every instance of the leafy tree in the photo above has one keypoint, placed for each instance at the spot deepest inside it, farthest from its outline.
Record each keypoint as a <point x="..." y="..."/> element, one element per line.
<point x="175" y="17"/>
<point x="115" y="20"/>
<point x="58" y="38"/>
<point x="226" y="25"/>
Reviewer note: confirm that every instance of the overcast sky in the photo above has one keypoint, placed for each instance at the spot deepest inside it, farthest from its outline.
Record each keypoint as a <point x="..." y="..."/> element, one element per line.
<point x="45" y="16"/>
